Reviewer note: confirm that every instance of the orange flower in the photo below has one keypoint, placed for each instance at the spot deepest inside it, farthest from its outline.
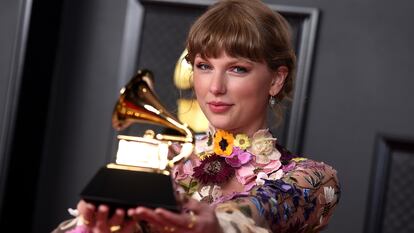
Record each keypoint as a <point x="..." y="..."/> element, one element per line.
<point x="223" y="143"/>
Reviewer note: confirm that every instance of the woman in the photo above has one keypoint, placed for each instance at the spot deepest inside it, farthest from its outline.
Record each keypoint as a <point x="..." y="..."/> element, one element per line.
<point x="239" y="179"/>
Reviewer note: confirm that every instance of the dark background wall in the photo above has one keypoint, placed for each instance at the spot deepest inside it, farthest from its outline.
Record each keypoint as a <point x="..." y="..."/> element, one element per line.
<point x="361" y="85"/>
<point x="11" y="18"/>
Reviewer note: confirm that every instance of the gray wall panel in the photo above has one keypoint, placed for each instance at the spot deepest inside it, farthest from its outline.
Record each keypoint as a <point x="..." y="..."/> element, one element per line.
<point x="362" y="85"/>
<point x="14" y="23"/>
<point x="84" y="92"/>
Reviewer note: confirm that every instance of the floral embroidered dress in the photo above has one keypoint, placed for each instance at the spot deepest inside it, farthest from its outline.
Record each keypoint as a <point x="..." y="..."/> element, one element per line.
<point x="257" y="185"/>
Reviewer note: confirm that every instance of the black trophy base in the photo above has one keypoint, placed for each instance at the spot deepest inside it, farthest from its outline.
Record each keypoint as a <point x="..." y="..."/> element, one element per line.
<point x="129" y="189"/>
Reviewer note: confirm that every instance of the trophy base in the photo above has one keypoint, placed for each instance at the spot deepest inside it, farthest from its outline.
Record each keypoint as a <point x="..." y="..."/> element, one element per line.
<point x="126" y="189"/>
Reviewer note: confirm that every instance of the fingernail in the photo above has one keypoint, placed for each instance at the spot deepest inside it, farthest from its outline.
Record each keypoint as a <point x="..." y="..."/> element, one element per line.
<point x="102" y="208"/>
<point x="158" y="211"/>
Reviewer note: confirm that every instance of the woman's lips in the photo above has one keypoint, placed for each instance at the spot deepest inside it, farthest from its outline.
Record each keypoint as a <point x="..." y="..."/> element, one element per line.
<point x="219" y="107"/>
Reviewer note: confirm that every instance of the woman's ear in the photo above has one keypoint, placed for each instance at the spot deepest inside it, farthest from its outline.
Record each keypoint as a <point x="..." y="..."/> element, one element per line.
<point x="278" y="80"/>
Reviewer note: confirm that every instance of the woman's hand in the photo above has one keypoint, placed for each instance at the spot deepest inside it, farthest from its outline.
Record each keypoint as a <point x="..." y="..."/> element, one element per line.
<point x="97" y="220"/>
<point x="196" y="217"/>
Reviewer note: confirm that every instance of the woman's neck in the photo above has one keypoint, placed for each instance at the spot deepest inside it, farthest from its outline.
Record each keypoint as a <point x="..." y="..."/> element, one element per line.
<point x="250" y="130"/>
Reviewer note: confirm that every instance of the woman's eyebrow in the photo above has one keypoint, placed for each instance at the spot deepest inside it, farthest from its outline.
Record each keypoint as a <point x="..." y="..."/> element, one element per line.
<point x="241" y="60"/>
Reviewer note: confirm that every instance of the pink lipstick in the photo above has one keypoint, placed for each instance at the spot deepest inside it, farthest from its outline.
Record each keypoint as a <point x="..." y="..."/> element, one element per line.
<point x="219" y="107"/>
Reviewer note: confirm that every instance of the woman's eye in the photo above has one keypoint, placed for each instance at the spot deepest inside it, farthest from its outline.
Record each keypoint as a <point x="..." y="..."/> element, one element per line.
<point x="239" y="69"/>
<point x="203" y="66"/>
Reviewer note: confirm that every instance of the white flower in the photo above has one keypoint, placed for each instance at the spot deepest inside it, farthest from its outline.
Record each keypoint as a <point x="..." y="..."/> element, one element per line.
<point x="232" y="220"/>
<point x="73" y="212"/>
<point x="260" y="178"/>
<point x="201" y="145"/>
<point x="329" y="194"/>
<point x="197" y="196"/>
<point x="205" y="191"/>
<point x="263" y="146"/>
<point x="216" y="193"/>
<point x="277" y="175"/>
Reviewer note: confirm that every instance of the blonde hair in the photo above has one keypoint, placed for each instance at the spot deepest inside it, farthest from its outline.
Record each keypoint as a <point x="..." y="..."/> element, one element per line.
<point x="248" y="29"/>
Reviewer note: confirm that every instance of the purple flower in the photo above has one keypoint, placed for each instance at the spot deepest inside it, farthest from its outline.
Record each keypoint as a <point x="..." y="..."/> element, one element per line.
<point x="289" y="167"/>
<point x="238" y="157"/>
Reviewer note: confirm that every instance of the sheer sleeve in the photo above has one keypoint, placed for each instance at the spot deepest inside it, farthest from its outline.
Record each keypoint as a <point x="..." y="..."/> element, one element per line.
<point x="302" y="200"/>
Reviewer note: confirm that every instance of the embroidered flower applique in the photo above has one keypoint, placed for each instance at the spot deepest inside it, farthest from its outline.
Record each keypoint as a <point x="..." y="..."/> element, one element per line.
<point x="209" y="194"/>
<point x="242" y="141"/>
<point x="223" y="143"/>
<point x="328" y="202"/>
<point x="184" y="171"/>
<point x="213" y="170"/>
<point x="329" y="194"/>
<point x="247" y="174"/>
<point x="238" y="157"/>
<point x="299" y="159"/>
<point x="261" y="177"/>
<point x="263" y="146"/>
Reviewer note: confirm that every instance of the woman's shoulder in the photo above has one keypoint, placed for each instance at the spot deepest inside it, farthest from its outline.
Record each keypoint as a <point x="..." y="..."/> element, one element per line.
<point x="306" y="172"/>
<point x="306" y="184"/>
<point x="310" y="174"/>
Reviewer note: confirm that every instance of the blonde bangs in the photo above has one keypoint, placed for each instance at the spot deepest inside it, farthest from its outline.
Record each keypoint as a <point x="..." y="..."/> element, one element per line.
<point x="232" y="33"/>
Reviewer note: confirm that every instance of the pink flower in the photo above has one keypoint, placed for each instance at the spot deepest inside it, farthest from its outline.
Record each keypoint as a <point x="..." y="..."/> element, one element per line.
<point x="238" y="157"/>
<point x="289" y="167"/>
<point x="246" y="174"/>
<point x="79" y="229"/>
<point x="182" y="171"/>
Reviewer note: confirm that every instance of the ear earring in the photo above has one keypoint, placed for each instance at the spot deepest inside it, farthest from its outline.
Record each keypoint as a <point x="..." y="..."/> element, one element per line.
<point x="272" y="101"/>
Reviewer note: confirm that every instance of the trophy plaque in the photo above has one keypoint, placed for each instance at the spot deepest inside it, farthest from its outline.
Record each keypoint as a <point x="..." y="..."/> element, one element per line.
<point x="140" y="175"/>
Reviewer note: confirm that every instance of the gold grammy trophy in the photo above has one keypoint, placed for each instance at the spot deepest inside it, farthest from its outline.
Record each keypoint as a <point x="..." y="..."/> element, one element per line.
<point x="141" y="174"/>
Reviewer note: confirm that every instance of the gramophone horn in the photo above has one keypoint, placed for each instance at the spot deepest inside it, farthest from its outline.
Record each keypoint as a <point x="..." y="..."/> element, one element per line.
<point x="138" y="104"/>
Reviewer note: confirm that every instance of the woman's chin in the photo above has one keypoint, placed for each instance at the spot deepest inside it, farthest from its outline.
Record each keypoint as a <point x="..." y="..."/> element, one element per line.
<point x="222" y="125"/>
<point x="219" y="124"/>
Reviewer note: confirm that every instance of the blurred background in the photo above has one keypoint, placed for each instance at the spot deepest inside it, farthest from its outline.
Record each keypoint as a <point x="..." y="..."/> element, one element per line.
<point x="62" y="64"/>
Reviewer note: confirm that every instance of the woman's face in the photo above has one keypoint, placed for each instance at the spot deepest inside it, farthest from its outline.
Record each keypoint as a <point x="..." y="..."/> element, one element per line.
<point x="233" y="92"/>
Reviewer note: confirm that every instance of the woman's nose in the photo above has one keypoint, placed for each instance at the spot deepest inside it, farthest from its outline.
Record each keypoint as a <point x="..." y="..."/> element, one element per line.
<point x="218" y="83"/>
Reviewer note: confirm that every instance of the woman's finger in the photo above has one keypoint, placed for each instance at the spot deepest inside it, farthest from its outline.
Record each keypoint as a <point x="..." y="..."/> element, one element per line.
<point x="172" y="219"/>
<point x="148" y="216"/>
<point x="117" y="218"/>
<point x="102" y="217"/>
<point x="87" y="212"/>
<point x="142" y="213"/>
